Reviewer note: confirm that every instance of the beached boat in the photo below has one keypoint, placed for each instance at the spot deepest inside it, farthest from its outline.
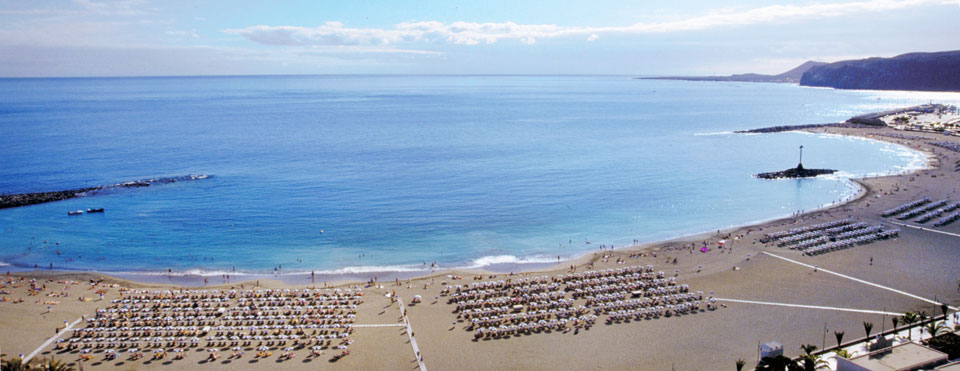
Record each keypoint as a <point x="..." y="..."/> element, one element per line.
<point x="77" y="212"/>
<point x="97" y="210"/>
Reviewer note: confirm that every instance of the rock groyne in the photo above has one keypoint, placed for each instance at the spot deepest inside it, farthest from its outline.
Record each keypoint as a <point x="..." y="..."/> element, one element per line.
<point x="797" y="172"/>
<point x="24" y="199"/>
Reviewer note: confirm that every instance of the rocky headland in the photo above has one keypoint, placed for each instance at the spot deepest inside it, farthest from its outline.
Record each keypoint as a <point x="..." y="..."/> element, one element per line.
<point x="913" y="71"/>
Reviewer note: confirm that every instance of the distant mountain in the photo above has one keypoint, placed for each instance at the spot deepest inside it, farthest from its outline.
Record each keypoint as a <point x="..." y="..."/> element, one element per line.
<point x="792" y="76"/>
<point x="915" y="71"/>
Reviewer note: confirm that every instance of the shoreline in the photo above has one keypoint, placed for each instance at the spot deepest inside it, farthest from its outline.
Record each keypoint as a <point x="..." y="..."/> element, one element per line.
<point x="194" y="277"/>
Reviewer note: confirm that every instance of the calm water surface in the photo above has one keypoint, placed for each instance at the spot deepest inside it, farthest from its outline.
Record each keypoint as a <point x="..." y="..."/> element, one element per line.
<point x="398" y="171"/>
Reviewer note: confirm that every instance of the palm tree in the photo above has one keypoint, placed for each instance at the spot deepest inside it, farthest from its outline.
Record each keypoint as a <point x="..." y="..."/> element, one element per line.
<point x="895" y="320"/>
<point x="839" y="335"/>
<point x="943" y="308"/>
<point x="934" y="328"/>
<point x="809" y="360"/>
<point x="55" y="365"/>
<point x="867" y="326"/>
<point x="909" y="319"/>
<point x="14" y="364"/>
<point x="778" y="363"/>
<point x="843" y="353"/>
<point x="740" y="364"/>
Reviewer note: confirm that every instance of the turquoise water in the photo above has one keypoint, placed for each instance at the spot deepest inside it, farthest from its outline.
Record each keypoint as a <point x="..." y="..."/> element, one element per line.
<point x="398" y="171"/>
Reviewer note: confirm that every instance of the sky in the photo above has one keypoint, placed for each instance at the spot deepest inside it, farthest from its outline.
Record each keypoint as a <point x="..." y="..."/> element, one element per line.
<point x="71" y="38"/>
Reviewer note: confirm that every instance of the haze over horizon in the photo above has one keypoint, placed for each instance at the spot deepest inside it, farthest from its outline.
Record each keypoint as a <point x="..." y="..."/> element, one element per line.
<point x="51" y="38"/>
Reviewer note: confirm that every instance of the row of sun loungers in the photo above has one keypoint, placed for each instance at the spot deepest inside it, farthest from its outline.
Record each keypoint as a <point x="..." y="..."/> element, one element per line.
<point x="776" y="236"/>
<point x="831" y="236"/>
<point x="947" y="219"/>
<point x="528" y="317"/>
<point x="900" y="136"/>
<point x="321" y="318"/>
<point x="947" y="145"/>
<point x="603" y="307"/>
<point x="655" y="312"/>
<point x="930" y="211"/>
<point x="546" y="304"/>
<point x="920" y="210"/>
<point x="926" y="217"/>
<point x="806" y="239"/>
<point x="851" y="242"/>
<point x="905" y="207"/>
<point x="537" y="327"/>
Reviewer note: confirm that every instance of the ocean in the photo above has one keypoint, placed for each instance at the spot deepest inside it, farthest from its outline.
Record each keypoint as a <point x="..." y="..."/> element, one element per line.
<point x="353" y="174"/>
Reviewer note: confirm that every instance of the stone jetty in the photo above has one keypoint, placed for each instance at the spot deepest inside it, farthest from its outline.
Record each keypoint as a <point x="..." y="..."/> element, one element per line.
<point x="797" y="172"/>
<point x="24" y="199"/>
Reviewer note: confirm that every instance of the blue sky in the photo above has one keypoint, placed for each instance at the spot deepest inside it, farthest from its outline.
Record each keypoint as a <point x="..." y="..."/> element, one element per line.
<point x="695" y="37"/>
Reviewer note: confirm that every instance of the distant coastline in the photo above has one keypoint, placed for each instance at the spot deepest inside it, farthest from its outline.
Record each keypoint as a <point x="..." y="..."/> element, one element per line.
<point x="912" y="72"/>
<point x="790" y="77"/>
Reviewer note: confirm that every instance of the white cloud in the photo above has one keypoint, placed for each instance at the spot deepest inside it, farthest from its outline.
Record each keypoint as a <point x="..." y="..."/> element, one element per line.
<point x="473" y="33"/>
<point x="121" y="7"/>
<point x="183" y="33"/>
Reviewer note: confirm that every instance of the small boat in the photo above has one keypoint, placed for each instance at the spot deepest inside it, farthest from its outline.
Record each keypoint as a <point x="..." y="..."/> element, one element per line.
<point x="77" y="212"/>
<point x="97" y="210"/>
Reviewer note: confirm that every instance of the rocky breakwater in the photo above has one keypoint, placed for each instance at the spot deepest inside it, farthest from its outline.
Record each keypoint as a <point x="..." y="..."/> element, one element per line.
<point x="24" y="199"/>
<point x="797" y="172"/>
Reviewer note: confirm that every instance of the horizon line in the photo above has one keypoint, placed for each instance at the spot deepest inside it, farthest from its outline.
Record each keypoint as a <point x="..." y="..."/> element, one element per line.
<point x="321" y="75"/>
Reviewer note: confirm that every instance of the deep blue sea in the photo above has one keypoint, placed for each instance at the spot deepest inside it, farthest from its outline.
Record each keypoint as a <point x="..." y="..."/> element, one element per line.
<point x="398" y="171"/>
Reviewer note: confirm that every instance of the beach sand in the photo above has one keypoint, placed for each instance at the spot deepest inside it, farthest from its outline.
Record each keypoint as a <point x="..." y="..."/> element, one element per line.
<point x="919" y="263"/>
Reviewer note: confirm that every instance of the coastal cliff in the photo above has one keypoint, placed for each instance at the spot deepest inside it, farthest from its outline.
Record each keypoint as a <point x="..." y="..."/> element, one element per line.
<point x="915" y="71"/>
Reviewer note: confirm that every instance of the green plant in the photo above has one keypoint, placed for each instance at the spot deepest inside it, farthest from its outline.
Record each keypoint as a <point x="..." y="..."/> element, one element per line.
<point x="839" y="335"/>
<point x="843" y="353"/>
<point x="867" y="327"/>
<point x="13" y="364"/>
<point x="809" y="360"/>
<point x="934" y="328"/>
<point x="778" y="363"/>
<point x="909" y="319"/>
<point x="55" y="365"/>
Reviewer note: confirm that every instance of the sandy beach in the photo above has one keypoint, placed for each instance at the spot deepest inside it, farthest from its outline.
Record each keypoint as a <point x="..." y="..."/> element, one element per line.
<point x="763" y="293"/>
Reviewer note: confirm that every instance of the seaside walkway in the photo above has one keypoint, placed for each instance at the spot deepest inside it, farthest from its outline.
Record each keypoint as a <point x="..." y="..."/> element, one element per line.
<point x="811" y="306"/>
<point x="50" y="340"/>
<point x="413" y="342"/>
<point x="858" y="280"/>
